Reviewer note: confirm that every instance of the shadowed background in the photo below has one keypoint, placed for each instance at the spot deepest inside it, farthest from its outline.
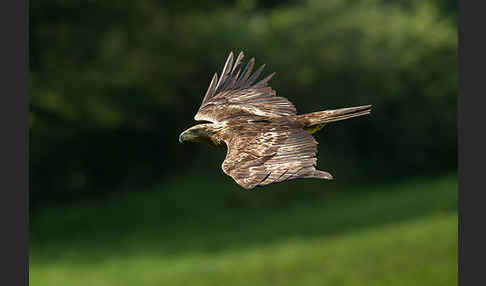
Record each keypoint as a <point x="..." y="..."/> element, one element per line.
<point x="116" y="200"/>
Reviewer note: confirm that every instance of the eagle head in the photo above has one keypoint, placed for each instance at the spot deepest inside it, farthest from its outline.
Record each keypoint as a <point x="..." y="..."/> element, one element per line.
<point x="202" y="133"/>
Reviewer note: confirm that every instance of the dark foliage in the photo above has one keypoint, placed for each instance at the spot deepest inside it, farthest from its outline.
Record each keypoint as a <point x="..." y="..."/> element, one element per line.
<point x="113" y="83"/>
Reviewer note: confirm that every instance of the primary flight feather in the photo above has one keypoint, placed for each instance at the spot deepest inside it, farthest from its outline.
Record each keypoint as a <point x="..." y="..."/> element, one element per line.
<point x="266" y="141"/>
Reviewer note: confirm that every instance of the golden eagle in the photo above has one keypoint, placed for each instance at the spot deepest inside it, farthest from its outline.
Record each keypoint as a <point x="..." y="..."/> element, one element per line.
<point x="266" y="141"/>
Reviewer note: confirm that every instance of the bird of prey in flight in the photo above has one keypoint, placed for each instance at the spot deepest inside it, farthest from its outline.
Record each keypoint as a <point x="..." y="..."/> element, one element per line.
<point x="266" y="141"/>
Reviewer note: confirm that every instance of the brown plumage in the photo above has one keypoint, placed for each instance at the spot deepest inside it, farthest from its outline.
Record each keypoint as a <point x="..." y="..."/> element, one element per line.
<point x="266" y="141"/>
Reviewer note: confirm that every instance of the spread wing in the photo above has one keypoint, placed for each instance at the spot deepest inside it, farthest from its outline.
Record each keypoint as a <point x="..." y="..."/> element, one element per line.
<point x="235" y="93"/>
<point x="265" y="152"/>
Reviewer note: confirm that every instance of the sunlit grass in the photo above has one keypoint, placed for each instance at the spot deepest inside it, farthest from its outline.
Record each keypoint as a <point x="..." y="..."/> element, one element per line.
<point x="392" y="235"/>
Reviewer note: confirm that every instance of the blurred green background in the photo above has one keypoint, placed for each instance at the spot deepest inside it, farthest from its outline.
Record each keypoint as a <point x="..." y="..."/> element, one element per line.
<point x="116" y="200"/>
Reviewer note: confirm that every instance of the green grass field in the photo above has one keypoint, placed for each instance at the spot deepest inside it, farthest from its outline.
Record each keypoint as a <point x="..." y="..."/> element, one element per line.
<point x="403" y="234"/>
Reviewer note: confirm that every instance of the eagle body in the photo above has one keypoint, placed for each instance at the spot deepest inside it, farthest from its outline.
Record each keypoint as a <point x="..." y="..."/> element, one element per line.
<point x="266" y="141"/>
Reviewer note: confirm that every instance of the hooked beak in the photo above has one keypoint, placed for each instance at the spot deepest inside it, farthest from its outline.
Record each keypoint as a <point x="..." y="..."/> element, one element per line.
<point x="183" y="137"/>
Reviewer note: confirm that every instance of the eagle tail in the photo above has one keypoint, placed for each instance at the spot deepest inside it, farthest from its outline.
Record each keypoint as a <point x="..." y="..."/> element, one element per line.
<point x="315" y="121"/>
